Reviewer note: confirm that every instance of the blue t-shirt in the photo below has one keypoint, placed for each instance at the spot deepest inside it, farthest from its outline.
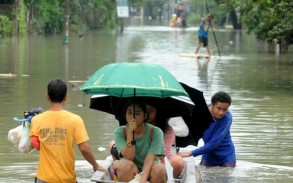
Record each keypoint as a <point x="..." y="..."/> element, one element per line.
<point x="204" y="29"/>
<point x="218" y="149"/>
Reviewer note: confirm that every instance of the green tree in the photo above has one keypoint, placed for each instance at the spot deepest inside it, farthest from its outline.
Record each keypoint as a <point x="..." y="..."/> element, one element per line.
<point x="199" y="11"/>
<point x="46" y="16"/>
<point x="21" y="18"/>
<point x="5" y="26"/>
<point x="267" y="19"/>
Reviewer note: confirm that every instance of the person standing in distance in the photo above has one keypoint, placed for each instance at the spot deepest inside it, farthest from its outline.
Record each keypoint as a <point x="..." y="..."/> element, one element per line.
<point x="203" y="33"/>
<point x="53" y="133"/>
<point x="218" y="149"/>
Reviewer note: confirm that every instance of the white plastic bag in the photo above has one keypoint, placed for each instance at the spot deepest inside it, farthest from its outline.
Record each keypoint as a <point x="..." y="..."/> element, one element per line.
<point x="20" y="135"/>
<point x="25" y="145"/>
<point x="15" y="134"/>
<point x="179" y="126"/>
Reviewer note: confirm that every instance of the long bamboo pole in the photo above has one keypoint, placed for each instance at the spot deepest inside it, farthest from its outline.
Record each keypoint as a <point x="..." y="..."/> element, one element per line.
<point x="214" y="32"/>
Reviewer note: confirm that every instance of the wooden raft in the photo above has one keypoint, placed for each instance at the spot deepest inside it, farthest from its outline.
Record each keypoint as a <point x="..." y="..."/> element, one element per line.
<point x="192" y="55"/>
<point x="187" y="176"/>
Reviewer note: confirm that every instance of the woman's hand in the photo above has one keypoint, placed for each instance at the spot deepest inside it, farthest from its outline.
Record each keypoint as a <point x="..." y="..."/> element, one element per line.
<point x="132" y="125"/>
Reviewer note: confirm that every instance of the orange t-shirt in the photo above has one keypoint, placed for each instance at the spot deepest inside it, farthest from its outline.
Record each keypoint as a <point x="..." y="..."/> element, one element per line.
<point x="57" y="132"/>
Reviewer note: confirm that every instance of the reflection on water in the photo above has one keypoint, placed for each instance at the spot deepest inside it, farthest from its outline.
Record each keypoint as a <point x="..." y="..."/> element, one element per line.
<point x="202" y="72"/>
<point x="260" y="85"/>
<point x="247" y="172"/>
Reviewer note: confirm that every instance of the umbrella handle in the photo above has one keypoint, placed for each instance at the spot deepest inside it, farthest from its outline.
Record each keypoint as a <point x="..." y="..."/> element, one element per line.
<point x="133" y="142"/>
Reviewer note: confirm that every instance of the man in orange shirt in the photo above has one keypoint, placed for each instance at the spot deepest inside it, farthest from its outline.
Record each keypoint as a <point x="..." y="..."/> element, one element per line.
<point x="54" y="132"/>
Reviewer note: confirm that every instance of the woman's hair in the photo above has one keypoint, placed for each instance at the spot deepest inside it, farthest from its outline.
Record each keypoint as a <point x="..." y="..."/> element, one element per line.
<point x="137" y="101"/>
<point x="161" y="120"/>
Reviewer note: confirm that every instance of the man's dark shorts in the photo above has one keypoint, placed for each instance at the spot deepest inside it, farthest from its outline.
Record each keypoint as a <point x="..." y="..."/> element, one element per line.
<point x="40" y="181"/>
<point x="203" y="40"/>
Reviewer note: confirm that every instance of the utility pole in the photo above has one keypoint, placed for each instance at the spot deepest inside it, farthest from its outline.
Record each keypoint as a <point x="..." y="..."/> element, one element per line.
<point x="15" y="22"/>
<point x="122" y="12"/>
<point x="171" y="8"/>
<point x="66" y="22"/>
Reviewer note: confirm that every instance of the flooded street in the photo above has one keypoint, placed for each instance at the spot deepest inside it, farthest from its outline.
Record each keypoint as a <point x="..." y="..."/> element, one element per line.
<point x="260" y="84"/>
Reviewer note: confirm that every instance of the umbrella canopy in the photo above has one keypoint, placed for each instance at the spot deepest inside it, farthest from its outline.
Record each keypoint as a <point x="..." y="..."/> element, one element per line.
<point x="149" y="80"/>
<point x="122" y="79"/>
<point x="198" y="122"/>
<point x="171" y="106"/>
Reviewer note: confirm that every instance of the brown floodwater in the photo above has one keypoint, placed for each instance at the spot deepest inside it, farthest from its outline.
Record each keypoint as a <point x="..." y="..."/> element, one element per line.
<point x="260" y="84"/>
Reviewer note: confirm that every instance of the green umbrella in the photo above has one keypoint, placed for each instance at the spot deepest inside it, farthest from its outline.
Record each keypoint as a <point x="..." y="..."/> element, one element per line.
<point x="133" y="79"/>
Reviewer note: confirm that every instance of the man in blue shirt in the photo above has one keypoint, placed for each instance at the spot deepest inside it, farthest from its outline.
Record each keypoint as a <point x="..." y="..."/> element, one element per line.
<point x="203" y="33"/>
<point x="218" y="149"/>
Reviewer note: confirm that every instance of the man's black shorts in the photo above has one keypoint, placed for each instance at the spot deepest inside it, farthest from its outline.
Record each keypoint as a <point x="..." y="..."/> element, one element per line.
<point x="203" y="40"/>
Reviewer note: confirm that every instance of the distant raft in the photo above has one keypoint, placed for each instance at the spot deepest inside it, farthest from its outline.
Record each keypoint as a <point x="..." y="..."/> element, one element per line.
<point x="7" y="75"/>
<point x="192" y="55"/>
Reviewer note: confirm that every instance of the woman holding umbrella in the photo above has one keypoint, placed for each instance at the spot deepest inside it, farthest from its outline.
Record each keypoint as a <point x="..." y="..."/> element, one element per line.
<point x="157" y="119"/>
<point x="143" y="154"/>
